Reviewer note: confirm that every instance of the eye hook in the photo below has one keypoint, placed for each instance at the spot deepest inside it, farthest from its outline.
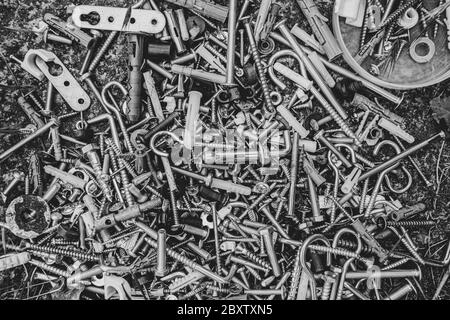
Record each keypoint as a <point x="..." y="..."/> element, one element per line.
<point x="403" y="168"/>
<point x="382" y="175"/>
<point x="349" y="261"/>
<point x="156" y="136"/>
<point x="304" y="247"/>
<point x="350" y="150"/>
<point x="105" y="90"/>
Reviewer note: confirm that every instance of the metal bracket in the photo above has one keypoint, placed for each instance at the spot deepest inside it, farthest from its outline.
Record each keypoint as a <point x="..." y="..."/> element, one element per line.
<point x="115" y="19"/>
<point x="37" y="63"/>
<point x="117" y="285"/>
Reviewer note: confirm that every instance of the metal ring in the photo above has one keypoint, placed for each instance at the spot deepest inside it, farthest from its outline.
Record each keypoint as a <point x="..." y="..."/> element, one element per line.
<point x="266" y="46"/>
<point x="409" y="19"/>
<point x="405" y="188"/>
<point x="276" y="98"/>
<point x="81" y="125"/>
<point x="431" y="50"/>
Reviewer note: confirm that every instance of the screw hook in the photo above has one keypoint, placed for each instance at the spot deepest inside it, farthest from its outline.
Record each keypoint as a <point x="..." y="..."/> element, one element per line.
<point x="156" y="136"/>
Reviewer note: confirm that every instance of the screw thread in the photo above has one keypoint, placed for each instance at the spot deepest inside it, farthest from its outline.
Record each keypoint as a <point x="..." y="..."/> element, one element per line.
<point x="51" y="269"/>
<point x="364" y="160"/>
<point x="364" y="29"/>
<point x="395" y="264"/>
<point x="63" y="252"/>
<point x="187" y="203"/>
<point x="353" y="245"/>
<point x="130" y="169"/>
<point x="280" y="207"/>
<point x="36" y="101"/>
<point x="27" y="184"/>
<point x="363" y="196"/>
<point x="60" y="242"/>
<point x="389" y="32"/>
<point x="46" y="238"/>
<point x="102" y="50"/>
<point x="126" y="183"/>
<point x="411" y="250"/>
<point x="336" y="117"/>
<point x="123" y="172"/>
<point x="102" y="208"/>
<point x="397" y="13"/>
<point x="103" y="180"/>
<point x="173" y="204"/>
<point x="122" y="234"/>
<point x="69" y="161"/>
<point x="215" y="52"/>
<point x="253" y="257"/>
<point x="339" y="252"/>
<point x="193" y="292"/>
<point x="213" y="111"/>
<point x="259" y="68"/>
<point x="295" y="277"/>
<point x="326" y="290"/>
<point x="410" y="223"/>
<point x="217" y="289"/>
<point x="253" y="273"/>
<point x="66" y="116"/>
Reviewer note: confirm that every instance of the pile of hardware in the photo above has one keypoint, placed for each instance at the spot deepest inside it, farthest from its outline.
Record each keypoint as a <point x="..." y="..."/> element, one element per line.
<point x="224" y="167"/>
<point x="400" y="45"/>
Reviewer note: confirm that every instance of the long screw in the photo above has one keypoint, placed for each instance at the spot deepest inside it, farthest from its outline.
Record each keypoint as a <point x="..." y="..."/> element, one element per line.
<point x="102" y="51"/>
<point x="259" y="66"/>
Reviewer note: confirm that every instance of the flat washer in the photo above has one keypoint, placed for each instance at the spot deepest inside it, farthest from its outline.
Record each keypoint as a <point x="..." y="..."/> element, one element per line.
<point x="431" y="50"/>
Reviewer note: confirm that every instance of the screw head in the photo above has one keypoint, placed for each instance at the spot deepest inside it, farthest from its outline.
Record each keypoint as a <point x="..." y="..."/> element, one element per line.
<point x="279" y="24"/>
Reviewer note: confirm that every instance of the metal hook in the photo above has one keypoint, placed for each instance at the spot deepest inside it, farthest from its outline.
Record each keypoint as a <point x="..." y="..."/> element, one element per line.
<point x="349" y="261"/>
<point x="274" y="58"/>
<point x="386" y="178"/>
<point x="382" y="175"/>
<point x="156" y="136"/>
<point x="350" y="150"/>
<point x="405" y="188"/>
<point x="306" y="243"/>
<point x="105" y="89"/>
<point x="117" y="112"/>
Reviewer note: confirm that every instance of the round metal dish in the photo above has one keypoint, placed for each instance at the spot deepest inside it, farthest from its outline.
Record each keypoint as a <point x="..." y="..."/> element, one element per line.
<point x="406" y="73"/>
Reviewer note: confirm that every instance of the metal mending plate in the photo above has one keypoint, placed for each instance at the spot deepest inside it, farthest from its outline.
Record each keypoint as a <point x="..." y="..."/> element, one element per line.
<point x="405" y="73"/>
<point x="45" y="64"/>
<point x="118" y="19"/>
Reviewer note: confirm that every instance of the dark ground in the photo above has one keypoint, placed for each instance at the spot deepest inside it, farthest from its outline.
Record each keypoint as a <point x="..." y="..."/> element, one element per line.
<point x="415" y="108"/>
